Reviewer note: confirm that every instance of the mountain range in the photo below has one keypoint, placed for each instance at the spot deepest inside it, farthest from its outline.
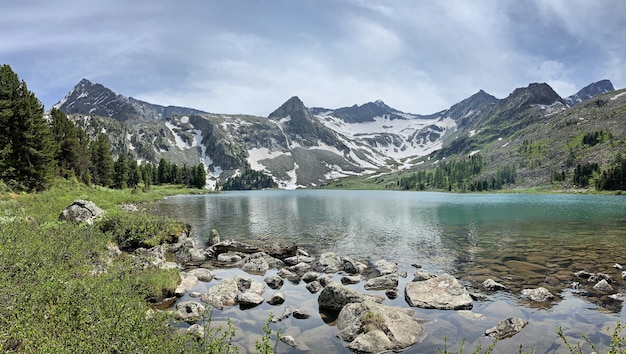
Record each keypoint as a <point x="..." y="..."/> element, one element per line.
<point x="304" y="147"/>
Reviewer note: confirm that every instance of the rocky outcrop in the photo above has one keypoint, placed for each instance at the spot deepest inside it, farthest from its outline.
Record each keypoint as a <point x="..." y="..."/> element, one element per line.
<point x="506" y="328"/>
<point x="189" y="311"/>
<point x="443" y="292"/>
<point x="81" y="211"/>
<point x="388" y="281"/>
<point x="375" y="328"/>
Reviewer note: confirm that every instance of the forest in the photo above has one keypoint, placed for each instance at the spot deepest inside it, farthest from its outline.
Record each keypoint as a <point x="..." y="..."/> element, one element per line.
<point x="35" y="149"/>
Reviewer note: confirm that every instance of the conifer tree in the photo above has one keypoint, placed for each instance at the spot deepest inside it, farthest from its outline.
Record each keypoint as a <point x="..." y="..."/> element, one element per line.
<point x="120" y="177"/>
<point x="68" y="146"/>
<point x="102" y="162"/>
<point x="27" y="147"/>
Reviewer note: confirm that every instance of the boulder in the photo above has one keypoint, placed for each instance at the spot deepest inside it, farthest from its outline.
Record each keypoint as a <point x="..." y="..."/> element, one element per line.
<point x="187" y="282"/>
<point x="310" y="276"/>
<point x="289" y="275"/>
<point x="374" y="328"/>
<point x="506" y="328"/>
<point x="202" y="274"/>
<point x="385" y="267"/>
<point x="228" y="257"/>
<point x="443" y="292"/>
<point x="222" y="294"/>
<point x="389" y="281"/>
<point x="618" y="296"/>
<point x="189" y="311"/>
<point x="491" y="284"/>
<point x="330" y="262"/>
<point x="248" y="299"/>
<point x="282" y="251"/>
<point x="233" y="246"/>
<point x="297" y="259"/>
<point x="214" y="237"/>
<point x="603" y="285"/>
<point x="300" y="267"/>
<point x="540" y="294"/>
<point x="289" y="341"/>
<point x="274" y="281"/>
<point x="81" y="211"/>
<point x="196" y="331"/>
<point x="351" y="266"/>
<point x="351" y="279"/>
<point x="255" y="263"/>
<point x="314" y="286"/>
<point x="276" y="299"/>
<point x="185" y="250"/>
<point x="301" y="314"/>
<point x="335" y="296"/>
<point x="421" y="275"/>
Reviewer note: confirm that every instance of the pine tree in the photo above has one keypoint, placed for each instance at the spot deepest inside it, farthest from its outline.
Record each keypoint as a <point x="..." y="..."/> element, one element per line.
<point x="27" y="147"/>
<point x="102" y="162"/>
<point x="120" y="177"/>
<point x="68" y="146"/>
<point x="199" y="176"/>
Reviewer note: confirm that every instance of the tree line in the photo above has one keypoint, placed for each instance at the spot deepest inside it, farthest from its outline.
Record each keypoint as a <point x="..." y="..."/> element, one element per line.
<point x="460" y="174"/>
<point x="249" y="179"/>
<point x="34" y="151"/>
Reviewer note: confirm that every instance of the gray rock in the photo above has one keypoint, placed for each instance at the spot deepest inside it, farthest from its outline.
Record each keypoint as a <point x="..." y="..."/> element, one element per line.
<point x="601" y="276"/>
<point x="310" y="276"/>
<point x="443" y="292"/>
<point x="289" y="275"/>
<point x="222" y="294"/>
<point x="297" y="259"/>
<point x="214" y="237"/>
<point x="391" y="293"/>
<point x="249" y="299"/>
<point x="491" y="284"/>
<point x="603" y="285"/>
<point x="352" y="266"/>
<point x="289" y="341"/>
<point x="618" y="296"/>
<point x="286" y="313"/>
<point x="540" y="294"/>
<point x="276" y="299"/>
<point x="624" y="275"/>
<point x="228" y="257"/>
<point x="374" y="328"/>
<point x="618" y="266"/>
<point x="255" y="264"/>
<point x="300" y="267"/>
<point x="274" y="282"/>
<point x="187" y="282"/>
<point x="385" y="267"/>
<point x="389" y="281"/>
<point x="421" y="275"/>
<point x="81" y="211"/>
<point x="506" y="328"/>
<point x="314" y="286"/>
<point x="189" y="311"/>
<point x="351" y="279"/>
<point x="196" y="330"/>
<point x="202" y="274"/>
<point x="335" y="296"/>
<point x="330" y="262"/>
<point x="301" y="314"/>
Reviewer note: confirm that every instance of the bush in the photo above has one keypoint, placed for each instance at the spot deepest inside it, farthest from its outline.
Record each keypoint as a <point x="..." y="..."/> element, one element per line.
<point x="133" y="230"/>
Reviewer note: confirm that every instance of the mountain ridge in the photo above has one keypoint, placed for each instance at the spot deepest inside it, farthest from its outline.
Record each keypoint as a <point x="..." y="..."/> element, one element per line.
<point x="302" y="146"/>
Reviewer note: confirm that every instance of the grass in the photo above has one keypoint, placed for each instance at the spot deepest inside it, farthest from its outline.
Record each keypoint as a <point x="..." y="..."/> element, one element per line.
<point x="61" y="293"/>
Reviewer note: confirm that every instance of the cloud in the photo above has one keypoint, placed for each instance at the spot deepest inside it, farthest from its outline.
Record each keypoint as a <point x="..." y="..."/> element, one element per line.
<point x="250" y="56"/>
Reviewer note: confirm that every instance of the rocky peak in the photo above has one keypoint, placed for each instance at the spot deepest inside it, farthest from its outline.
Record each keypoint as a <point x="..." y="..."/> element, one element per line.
<point x="367" y="112"/>
<point x="471" y="106"/>
<point x="590" y="91"/>
<point x="534" y="94"/>
<point x="292" y="107"/>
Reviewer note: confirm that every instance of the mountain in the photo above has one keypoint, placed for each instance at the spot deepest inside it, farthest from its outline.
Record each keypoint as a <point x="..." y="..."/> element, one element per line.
<point x="301" y="147"/>
<point x="590" y="91"/>
<point x="89" y="98"/>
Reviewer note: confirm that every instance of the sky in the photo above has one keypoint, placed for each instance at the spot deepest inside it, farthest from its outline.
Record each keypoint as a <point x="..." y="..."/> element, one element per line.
<point x="250" y="56"/>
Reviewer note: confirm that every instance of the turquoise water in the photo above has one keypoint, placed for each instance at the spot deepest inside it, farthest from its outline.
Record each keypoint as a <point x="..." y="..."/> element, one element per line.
<point x="520" y="240"/>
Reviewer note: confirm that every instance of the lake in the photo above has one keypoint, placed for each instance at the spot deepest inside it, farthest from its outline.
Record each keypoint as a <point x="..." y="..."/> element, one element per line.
<point x="520" y="240"/>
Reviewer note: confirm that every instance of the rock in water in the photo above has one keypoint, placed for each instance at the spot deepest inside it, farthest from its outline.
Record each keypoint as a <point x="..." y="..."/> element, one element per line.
<point x="540" y="294"/>
<point x="289" y="341"/>
<point x="81" y="211"/>
<point x="214" y="237"/>
<point x="603" y="285"/>
<point x="443" y="292"/>
<point x="189" y="311"/>
<point x="335" y="296"/>
<point x="491" y="284"/>
<point x="374" y="328"/>
<point x="507" y="328"/>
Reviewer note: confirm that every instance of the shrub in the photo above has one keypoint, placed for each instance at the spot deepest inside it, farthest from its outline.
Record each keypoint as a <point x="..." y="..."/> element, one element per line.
<point x="133" y="230"/>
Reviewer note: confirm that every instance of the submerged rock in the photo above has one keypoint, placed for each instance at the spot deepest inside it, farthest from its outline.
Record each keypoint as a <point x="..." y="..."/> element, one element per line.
<point x="603" y="285"/>
<point x="385" y="267"/>
<point x="289" y="341"/>
<point x="276" y="299"/>
<point x="375" y="328"/>
<point x="506" y="328"/>
<point x="443" y="292"/>
<point x="274" y="282"/>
